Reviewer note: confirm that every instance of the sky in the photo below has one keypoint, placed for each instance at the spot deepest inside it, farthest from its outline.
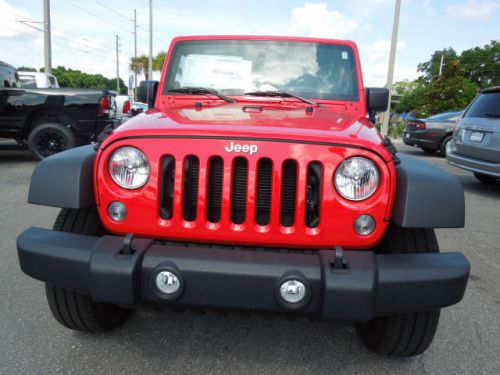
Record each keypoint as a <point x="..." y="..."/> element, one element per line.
<point x="84" y="32"/>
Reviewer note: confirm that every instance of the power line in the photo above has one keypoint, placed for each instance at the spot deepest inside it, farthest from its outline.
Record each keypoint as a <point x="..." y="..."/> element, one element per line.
<point x="113" y="10"/>
<point x="97" y="16"/>
<point x="82" y="38"/>
<point x="154" y="36"/>
<point x="25" y="23"/>
<point x="63" y="44"/>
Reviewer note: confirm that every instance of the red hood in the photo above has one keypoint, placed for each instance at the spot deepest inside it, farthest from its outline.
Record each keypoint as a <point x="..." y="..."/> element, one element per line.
<point x="332" y="124"/>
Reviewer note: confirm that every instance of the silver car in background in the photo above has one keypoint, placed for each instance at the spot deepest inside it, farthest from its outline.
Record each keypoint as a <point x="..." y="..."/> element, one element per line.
<point x="476" y="143"/>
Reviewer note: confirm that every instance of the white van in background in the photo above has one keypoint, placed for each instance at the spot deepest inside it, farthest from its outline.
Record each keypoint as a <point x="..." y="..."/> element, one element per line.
<point x="35" y="80"/>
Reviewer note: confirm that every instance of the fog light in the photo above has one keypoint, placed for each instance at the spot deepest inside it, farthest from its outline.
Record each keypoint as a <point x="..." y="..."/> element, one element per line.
<point x="117" y="211"/>
<point x="364" y="225"/>
<point x="167" y="282"/>
<point x="293" y="291"/>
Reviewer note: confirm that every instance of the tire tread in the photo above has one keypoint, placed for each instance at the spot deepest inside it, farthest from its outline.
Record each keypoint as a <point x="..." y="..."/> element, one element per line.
<point x="73" y="309"/>
<point x="402" y="334"/>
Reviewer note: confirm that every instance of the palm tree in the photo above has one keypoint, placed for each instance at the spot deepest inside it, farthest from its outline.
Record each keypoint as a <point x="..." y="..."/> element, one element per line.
<point x="140" y="64"/>
<point x="158" y="61"/>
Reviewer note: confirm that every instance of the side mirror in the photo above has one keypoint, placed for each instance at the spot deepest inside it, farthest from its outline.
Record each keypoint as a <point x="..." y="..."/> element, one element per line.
<point x="377" y="100"/>
<point x="147" y="93"/>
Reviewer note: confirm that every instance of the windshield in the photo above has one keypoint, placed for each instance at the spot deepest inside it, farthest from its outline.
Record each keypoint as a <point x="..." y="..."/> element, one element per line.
<point x="28" y="82"/>
<point x="234" y="67"/>
<point x="486" y="105"/>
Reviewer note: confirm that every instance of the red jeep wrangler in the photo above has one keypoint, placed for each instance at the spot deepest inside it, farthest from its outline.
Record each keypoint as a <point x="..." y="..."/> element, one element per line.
<point x="256" y="181"/>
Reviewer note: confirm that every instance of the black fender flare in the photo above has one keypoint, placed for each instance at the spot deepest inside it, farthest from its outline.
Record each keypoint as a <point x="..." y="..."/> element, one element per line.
<point x="427" y="196"/>
<point x="65" y="179"/>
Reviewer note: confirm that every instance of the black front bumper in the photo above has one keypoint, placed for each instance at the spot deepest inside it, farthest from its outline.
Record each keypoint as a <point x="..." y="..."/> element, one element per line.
<point x="367" y="285"/>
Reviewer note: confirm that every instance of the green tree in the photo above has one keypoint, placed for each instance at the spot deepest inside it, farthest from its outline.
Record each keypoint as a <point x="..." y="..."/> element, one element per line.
<point x="430" y="69"/>
<point x="412" y="95"/>
<point x="140" y="64"/>
<point x="78" y="79"/>
<point x="482" y="65"/>
<point x="450" y="91"/>
<point x="158" y="61"/>
<point x="27" y="69"/>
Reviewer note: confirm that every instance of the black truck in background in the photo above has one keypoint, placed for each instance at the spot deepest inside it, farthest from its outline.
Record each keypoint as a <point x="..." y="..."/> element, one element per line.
<point x="49" y="121"/>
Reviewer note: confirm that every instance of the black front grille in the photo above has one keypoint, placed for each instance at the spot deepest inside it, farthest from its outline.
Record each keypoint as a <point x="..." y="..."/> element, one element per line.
<point x="191" y="172"/>
<point x="267" y="196"/>
<point x="288" y="193"/>
<point x="313" y="193"/>
<point x="264" y="191"/>
<point x="239" y="190"/>
<point x="214" y="193"/>
<point x="167" y="187"/>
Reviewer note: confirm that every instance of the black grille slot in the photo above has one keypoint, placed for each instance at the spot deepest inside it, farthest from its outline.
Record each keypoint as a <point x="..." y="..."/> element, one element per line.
<point x="288" y="192"/>
<point x="264" y="188"/>
<point x="239" y="190"/>
<point x="214" y="194"/>
<point x="167" y="187"/>
<point x="191" y="171"/>
<point x="313" y="193"/>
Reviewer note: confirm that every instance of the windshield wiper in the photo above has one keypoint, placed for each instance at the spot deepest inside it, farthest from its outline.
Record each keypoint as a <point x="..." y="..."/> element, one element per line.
<point x="495" y="115"/>
<point x="200" y="91"/>
<point x="283" y="94"/>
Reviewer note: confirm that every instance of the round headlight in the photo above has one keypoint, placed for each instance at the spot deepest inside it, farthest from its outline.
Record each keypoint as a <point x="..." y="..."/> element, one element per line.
<point x="129" y="167"/>
<point x="356" y="178"/>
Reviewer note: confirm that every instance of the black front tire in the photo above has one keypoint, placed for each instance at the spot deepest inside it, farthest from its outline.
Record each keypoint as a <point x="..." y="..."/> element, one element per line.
<point x="403" y="334"/>
<point x="73" y="309"/>
<point x="49" y="138"/>
<point x="77" y="311"/>
<point x="485" y="178"/>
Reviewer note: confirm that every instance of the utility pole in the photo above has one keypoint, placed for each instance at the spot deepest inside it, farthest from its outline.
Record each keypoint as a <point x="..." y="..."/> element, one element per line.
<point x="46" y="32"/>
<point x="392" y="60"/>
<point x="135" y="52"/>
<point x="150" y="62"/>
<point x="441" y="63"/>
<point x="117" y="69"/>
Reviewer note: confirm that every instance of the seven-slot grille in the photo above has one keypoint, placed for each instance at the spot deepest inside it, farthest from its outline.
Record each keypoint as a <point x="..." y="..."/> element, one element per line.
<point x="266" y="196"/>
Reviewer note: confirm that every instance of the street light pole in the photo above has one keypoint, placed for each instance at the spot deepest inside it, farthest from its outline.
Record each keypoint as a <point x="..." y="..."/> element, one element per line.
<point x="150" y="62"/>
<point x="392" y="60"/>
<point x="441" y="63"/>
<point x="135" y="51"/>
<point x="47" y="41"/>
<point x="117" y="69"/>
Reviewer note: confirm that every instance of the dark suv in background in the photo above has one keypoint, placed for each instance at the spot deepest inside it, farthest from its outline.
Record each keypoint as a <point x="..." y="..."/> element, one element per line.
<point x="8" y="76"/>
<point x="52" y="120"/>
<point x="433" y="133"/>
<point x="476" y="143"/>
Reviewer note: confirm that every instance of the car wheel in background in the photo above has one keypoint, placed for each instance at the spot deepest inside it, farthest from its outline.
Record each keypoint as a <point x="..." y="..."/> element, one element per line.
<point x="50" y="138"/>
<point x="486" y="178"/>
<point x="442" y="148"/>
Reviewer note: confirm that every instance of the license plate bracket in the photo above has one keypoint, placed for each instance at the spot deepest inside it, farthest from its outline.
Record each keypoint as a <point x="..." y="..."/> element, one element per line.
<point x="476" y="137"/>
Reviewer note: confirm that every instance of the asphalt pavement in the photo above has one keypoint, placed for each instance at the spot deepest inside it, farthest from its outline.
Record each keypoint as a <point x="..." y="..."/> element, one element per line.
<point x="32" y="342"/>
